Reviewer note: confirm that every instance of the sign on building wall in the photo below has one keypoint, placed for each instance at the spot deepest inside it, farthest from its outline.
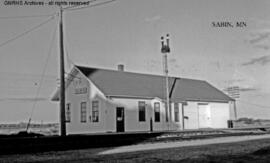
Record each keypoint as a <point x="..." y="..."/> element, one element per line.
<point x="81" y="90"/>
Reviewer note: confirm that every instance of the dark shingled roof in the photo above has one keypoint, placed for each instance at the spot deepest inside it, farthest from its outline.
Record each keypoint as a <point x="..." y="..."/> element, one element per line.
<point x="189" y="89"/>
<point x="127" y="84"/>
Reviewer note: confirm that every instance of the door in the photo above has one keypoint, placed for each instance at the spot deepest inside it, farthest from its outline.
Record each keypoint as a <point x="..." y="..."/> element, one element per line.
<point x="204" y="116"/>
<point x="120" y="119"/>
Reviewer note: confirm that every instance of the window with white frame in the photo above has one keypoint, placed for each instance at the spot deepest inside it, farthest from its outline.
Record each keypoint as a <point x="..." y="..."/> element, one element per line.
<point x="141" y="111"/>
<point x="68" y="118"/>
<point x="95" y="111"/>
<point x="157" y="111"/>
<point x="176" y="112"/>
<point x="83" y="112"/>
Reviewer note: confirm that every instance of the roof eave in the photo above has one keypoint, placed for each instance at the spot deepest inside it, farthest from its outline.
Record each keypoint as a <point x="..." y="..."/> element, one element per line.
<point x="128" y="96"/>
<point x="209" y="100"/>
<point x="200" y="100"/>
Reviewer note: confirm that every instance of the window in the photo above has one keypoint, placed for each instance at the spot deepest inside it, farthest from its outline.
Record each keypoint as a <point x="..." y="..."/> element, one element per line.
<point x="95" y="111"/>
<point x="157" y="111"/>
<point x="83" y="112"/>
<point x="141" y="111"/>
<point x="68" y="112"/>
<point x="176" y="112"/>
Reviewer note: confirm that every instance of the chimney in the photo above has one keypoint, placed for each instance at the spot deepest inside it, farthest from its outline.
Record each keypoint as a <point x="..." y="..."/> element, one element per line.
<point x="120" y="67"/>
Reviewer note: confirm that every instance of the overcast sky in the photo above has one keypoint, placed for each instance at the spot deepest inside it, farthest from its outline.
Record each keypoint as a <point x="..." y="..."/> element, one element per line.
<point x="128" y="32"/>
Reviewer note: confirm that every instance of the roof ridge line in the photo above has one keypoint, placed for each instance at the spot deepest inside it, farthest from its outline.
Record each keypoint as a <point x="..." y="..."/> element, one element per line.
<point x="104" y="69"/>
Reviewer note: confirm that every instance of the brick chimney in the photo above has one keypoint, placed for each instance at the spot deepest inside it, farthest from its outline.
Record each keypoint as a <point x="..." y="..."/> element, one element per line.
<point x="120" y="67"/>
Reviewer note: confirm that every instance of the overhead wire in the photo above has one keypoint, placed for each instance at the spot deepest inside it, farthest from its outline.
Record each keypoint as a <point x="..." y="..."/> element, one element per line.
<point x="94" y="5"/>
<point x="26" y="16"/>
<point x="43" y="74"/>
<point x="71" y="8"/>
<point x="51" y="17"/>
<point x="248" y="103"/>
<point x="22" y="75"/>
<point x="74" y="6"/>
<point x="70" y="62"/>
<point x="73" y="75"/>
<point x="27" y="31"/>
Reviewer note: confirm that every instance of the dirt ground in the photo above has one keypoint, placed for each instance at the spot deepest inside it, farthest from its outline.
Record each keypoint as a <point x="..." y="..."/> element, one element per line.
<point x="246" y="151"/>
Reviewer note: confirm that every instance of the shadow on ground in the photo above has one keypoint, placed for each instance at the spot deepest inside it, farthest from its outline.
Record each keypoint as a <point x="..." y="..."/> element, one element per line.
<point x="32" y="143"/>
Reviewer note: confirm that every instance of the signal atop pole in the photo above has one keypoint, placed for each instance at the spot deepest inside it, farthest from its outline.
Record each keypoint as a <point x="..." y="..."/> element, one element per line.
<point x="168" y="46"/>
<point x="165" y="49"/>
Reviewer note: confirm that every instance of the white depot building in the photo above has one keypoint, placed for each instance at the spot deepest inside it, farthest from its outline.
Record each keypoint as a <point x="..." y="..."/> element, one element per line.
<point x="100" y="101"/>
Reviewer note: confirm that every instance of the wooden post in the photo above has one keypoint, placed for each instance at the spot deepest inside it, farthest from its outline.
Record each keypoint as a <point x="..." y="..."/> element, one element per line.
<point x="183" y="115"/>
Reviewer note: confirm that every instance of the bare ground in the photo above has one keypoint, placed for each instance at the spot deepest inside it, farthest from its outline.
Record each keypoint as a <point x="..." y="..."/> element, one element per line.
<point x="246" y="151"/>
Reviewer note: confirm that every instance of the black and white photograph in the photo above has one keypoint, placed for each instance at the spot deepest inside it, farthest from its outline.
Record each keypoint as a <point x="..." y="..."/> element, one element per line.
<point x="134" y="81"/>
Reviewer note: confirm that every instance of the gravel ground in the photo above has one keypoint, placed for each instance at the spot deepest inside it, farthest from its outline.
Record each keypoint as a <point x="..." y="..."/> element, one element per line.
<point x="177" y="144"/>
<point x="230" y="149"/>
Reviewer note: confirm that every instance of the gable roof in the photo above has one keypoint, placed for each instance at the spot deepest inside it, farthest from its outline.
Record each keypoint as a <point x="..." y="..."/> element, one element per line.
<point x="128" y="84"/>
<point x="197" y="90"/>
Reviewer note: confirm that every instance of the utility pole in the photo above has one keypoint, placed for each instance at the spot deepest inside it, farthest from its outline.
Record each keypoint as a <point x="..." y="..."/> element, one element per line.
<point x="62" y="77"/>
<point x="233" y="92"/>
<point x="235" y="110"/>
<point x="165" y="49"/>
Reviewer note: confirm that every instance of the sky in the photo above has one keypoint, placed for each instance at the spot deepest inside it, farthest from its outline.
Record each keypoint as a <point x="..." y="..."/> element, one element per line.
<point x="128" y="32"/>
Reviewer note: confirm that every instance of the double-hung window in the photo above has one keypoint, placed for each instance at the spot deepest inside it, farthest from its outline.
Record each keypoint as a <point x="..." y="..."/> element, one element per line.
<point x="68" y="118"/>
<point x="95" y="111"/>
<point x="157" y="111"/>
<point x="141" y="111"/>
<point x="83" y="112"/>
